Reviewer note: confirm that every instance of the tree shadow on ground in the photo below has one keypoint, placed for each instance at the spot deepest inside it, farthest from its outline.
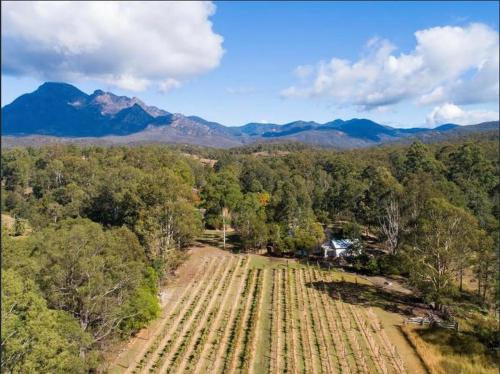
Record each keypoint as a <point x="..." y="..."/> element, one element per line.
<point x="367" y="295"/>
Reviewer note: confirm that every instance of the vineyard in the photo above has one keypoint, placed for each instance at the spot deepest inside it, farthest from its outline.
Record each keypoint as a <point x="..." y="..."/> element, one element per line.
<point x="235" y="318"/>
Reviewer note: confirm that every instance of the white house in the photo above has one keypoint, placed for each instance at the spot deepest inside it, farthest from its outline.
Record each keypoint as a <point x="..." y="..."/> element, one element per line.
<point x="341" y="246"/>
<point x="336" y="247"/>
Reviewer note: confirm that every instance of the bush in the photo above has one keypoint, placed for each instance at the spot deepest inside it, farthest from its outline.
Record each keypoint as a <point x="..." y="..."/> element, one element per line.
<point x="365" y="263"/>
<point x="213" y="222"/>
<point x="487" y="332"/>
<point x="351" y="230"/>
<point x="466" y="344"/>
<point x="391" y="265"/>
<point x="20" y="227"/>
<point x="144" y="304"/>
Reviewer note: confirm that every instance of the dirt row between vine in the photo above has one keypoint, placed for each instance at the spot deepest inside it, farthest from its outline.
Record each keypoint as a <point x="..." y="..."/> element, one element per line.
<point x="230" y="307"/>
<point x="200" y="312"/>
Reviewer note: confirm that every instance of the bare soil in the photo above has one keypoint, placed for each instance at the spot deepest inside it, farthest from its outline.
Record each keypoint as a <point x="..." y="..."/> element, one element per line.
<point x="323" y="320"/>
<point x="125" y="356"/>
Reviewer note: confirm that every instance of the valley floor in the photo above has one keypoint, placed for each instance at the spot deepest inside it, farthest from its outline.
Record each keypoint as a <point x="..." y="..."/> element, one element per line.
<point x="228" y="313"/>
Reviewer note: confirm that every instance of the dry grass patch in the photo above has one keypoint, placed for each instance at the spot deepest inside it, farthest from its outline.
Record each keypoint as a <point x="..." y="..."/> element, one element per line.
<point x="437" y="350"/>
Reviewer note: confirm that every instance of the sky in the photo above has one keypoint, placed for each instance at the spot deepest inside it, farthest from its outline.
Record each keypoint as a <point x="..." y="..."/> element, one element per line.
<point x="402" y="64"/>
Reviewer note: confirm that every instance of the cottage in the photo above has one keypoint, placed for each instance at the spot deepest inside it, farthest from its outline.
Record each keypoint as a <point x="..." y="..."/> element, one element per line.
<point x="326" y="250"/>
<point x="336" y="247"/>
<point x="341" y="246"/>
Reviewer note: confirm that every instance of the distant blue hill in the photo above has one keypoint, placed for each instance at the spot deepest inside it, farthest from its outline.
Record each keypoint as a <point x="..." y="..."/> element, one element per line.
<point x="63" y="111"/>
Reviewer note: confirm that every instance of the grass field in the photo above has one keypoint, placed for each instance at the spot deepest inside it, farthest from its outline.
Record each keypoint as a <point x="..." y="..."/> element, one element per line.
<point x="251" y="314"/>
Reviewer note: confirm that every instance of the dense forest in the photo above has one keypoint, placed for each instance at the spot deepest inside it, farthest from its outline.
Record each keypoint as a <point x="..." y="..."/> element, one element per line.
<point x="96" y="230"/>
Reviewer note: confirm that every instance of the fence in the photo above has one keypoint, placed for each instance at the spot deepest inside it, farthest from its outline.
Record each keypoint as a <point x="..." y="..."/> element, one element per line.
<point x="431" y="320"/>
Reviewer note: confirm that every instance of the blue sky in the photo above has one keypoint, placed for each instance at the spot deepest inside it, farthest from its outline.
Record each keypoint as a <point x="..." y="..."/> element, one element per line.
<point x="252" y="76"/>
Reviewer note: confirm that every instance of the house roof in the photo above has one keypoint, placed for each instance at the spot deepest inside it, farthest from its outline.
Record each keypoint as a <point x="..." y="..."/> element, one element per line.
<point x="342" y="243"/>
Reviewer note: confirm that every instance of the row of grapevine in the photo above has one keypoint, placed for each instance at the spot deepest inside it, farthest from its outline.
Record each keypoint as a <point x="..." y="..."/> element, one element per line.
<point x="212" y="356"/>
<point x="315" y="324"/>
<point x="335" y="336"/>
<point x="372" y="337"/>
<point x="218" y="324"/>
<point x="173" y="351"/>
<point x="175" y="329"/>
<point x="225" y="333"/>
<point x="237" y="324"/>
<point x="346" y="325"/>
<point x="288" y="310"/>
<point x="379" y="362"/>
<point x="324" y="334"/>
<point x="283" y="353"/>
<point x="314" y="331"/>
<point x="240" y="328"/>
<point x="299" y="343"/>
<point x="390" y="349"/>
<point x="311" y="348"/>
<point x="250" y="332"/>
<point x="204" y="325"/>
<point x="275" y="333"/>
<point x="258" y="332"/>
<point x="214" y="337"/>
<point x="172" y="318"/>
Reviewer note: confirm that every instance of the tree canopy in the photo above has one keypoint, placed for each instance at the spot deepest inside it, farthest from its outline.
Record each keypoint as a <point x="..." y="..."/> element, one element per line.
<point x="98" y="229"/>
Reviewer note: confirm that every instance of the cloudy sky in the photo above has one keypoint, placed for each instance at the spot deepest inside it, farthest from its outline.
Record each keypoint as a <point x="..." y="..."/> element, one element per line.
<point x="406" y="64"/>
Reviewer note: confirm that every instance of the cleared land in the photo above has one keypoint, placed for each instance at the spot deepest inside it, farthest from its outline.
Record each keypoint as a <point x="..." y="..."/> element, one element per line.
<point x="246" y="314"/>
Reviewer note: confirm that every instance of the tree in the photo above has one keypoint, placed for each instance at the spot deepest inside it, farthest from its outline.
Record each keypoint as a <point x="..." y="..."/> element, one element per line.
<point x="167" y="226"/>
<point x="390" y="225"/>
<point x="441" y="230"/>
<point x="418" y="189"/>
<point x="343" y="195"/>
<point x="220" y="196"/>
<point x="419" y="158"/>
<point x="256" y="176"/>
<point x="484" y="262"/>
<point x="116" y="200"/>
<point x="321" y="185"/>
<point x="292" y="204"/>
<point x="250" y="221"/>
<point x="352" y="230"/>
<point x="16" y="168"/>
<point x="381" y="187"/>
<point x="475" y="175"/>
<point x="469" y="165"/>
<point x="143" y="304"/>
<point x="36" y="339"/>
<point x="71" y="198"/>
<point x="89" y="273"/>
<point x="276" y="243"/>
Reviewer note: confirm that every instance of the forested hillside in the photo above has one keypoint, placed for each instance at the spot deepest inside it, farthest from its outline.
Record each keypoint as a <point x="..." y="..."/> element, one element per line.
<point x="96" y="230"/>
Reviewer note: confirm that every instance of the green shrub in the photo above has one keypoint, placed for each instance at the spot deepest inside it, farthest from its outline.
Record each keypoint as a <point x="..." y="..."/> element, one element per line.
<point x="391" y="265"/>
<point x="466" y="344"/>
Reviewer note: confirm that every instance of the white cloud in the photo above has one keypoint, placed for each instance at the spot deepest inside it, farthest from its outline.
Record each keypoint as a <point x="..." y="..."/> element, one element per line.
<point x="451" y="113"/>
<point x="127" y="44"/>
<point x="168" y="85"/>
<point x="458" y="64"/>
<point x="304" y="71"/>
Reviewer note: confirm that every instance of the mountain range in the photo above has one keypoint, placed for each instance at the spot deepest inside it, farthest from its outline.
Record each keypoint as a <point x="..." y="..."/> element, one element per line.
<point x="60" y="111"/>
